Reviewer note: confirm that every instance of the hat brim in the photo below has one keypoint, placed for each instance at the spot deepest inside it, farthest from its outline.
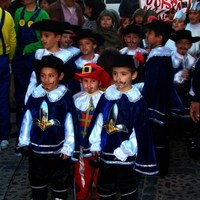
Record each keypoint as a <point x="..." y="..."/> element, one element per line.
<point x="53" y="62"/>
<point x="48" y="26"/>
<point x="102" y="76"/>
<point x="98" y="38"/>
<point x="175" y="38"/>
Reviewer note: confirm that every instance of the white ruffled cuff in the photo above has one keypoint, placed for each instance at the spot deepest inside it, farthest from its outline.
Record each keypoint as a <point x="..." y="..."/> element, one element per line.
<point x="67" y="150"/>
<point x="95" y="147"/>
<point x="120" y="154"/>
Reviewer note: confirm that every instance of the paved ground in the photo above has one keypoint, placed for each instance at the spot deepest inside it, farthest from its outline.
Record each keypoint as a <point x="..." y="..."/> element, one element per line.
<point x="183" y="182"/>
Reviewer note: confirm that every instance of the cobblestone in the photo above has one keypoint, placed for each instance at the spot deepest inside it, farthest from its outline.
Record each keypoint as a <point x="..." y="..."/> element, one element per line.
<point x="182" y="183"/>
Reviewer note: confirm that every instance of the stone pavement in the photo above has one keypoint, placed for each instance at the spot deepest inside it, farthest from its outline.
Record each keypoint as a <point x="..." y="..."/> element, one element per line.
<point x="182" y="183"/>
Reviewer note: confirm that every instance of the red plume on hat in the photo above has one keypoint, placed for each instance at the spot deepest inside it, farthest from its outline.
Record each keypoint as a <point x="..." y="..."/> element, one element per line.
<point x="94" y="71"/>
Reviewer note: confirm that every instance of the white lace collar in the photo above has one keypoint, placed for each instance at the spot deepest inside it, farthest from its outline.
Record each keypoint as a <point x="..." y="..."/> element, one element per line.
<point x="113" y="94"/>
<point x="53" y="96"/>
<point x="80" y="62"/>
<point x="160" y="51"/>
<point x="63" y="54"/>
<point x="82" y="99"/>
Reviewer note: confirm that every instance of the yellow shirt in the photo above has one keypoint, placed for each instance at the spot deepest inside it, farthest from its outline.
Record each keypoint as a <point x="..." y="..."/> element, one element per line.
<point x="9" y="35"/>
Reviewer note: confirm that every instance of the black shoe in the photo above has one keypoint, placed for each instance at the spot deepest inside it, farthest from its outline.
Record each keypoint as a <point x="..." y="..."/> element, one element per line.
<point x="193" y="148"/>
<point x="17" y="152"/>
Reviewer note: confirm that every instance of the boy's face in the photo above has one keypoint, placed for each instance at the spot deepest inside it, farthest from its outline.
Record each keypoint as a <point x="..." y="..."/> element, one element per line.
<point x="106" y="22"/>
<point x="44" y="4"/>
<point x="138" y="19"/>
<point x="132" y="40"/>
<point x="152" y="39"/>
<point x="87" y="11"/>
<point x="194" y="17"/>
<point x="86" y="46"/>
<point x="65" y="41"/>
<point x="183" y="45"/>
<point x="90" y="85"/>
<point x="178" y="25"/>
<point x="50" y="78"/>
<point x="122" y="77"/>
<point x="50" y="40"/>
<point x="69" y="3"/>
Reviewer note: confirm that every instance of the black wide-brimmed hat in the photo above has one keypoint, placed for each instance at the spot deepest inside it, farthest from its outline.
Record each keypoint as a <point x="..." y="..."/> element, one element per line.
<point x="124" y="60"/>
<point x="160" y="26"/>
<point x="184" y="34"/>
<point x="49" y="26"/>
<point x="87" y="33"/>
<point x="52" y="61"/>
<point x="132" y="28"/>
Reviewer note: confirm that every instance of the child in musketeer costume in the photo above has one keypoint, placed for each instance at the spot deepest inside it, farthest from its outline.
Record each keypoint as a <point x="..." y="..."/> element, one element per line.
<point x="51" y="32"/>
<point x="120" y="134"/>
<point x="87" y="42"/>
<point x="47" y="133"/>
<point x="92" y="77"/>
<point x="159" y="91"/>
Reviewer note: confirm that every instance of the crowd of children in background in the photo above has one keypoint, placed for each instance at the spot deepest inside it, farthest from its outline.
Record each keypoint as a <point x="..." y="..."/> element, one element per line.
<point x="99" y="90"/>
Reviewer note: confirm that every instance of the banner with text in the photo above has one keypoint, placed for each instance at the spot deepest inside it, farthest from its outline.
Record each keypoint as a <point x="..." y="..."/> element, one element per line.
<point x="161" y="6"/>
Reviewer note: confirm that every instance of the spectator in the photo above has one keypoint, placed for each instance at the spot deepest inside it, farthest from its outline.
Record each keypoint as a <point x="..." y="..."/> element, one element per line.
<point x="44" y="4"/>
<point x="138" y="16"/>
<point x="7" y="49"/>
<point x="170" y="15"/>
<point x="195" y="104"/>
<point x="149" y="15"/>
<point x="66" y="11"/>
<point x="194" y="27"/>
<point x="127" y="8"/>
<point x="193" y="143"/>
<point x="14" y="6"/>
<point x="92" y="9"/>
<point x="105" y="27"/>
<point x="28" y="41"/>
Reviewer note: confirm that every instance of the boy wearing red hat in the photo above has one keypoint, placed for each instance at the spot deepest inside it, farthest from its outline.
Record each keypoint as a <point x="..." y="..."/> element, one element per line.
<point x="119" y="133"/>
<point x="92" y="77"/>
<point x="87" y="41"/>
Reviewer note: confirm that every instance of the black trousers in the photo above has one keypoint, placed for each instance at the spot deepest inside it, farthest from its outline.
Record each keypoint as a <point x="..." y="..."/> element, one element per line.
<point x="113" y="178"/>
<point x="48" y="170"/>
<point x="161" y="142"/>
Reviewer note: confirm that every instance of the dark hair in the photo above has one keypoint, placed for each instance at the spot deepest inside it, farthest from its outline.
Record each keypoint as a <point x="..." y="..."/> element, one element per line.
<point x="48" y="1"/>
<point x="165" y="36"/>
<point x="97" y="6"/>
<point x="106" y="60"/>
